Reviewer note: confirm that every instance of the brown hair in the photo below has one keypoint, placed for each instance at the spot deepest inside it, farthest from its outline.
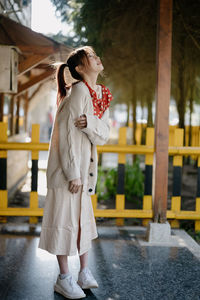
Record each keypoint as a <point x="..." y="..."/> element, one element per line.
<point x="75" y="58"/>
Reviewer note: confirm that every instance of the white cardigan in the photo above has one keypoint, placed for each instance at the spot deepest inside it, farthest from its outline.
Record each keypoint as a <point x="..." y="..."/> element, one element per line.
<point x="72" y="151"/>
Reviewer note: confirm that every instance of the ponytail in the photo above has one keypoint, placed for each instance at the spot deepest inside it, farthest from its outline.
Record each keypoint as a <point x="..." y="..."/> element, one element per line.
<point x="61" y="85"/>
<point x="76" y="58"/>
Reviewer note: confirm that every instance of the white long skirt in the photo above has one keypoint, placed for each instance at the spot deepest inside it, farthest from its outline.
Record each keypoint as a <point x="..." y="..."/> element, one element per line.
<point x="60" y="223"/>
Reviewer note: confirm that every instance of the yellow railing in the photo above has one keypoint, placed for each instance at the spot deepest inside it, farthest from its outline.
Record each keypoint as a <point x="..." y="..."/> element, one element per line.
<point x="194" y="134"/>
<point x="146" y="213"/>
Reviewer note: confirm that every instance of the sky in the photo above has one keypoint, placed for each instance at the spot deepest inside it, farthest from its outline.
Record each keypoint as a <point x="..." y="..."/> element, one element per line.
<point x="44" y="19"/>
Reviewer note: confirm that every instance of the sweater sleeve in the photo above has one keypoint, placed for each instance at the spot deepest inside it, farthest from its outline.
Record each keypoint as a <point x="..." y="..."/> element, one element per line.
<point x="69" y="136"/>
<point x="97" y="130"/>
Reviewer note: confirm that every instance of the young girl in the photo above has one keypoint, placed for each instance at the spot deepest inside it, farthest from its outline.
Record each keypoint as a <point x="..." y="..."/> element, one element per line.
<point x="81" y="123"/>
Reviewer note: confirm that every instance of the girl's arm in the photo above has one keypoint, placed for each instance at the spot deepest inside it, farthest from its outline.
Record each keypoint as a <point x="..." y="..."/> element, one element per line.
<point x="70" y="136"/>
<point x="97" y="130"/>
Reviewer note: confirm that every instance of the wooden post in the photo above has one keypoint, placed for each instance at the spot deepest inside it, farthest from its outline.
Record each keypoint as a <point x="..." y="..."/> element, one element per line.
<point x="26" y="111"/>
<point x="11" y="112"/>
<point x="17" y="115"/>
<point x="164" y="39"/>
<point x="1" y="106"/>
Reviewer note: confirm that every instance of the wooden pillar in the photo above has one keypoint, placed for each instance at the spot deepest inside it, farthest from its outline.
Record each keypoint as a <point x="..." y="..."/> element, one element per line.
<point x="11" y="112"/>
<point x="17" y="115"/>
<point x="26" y="111"/>
<point x="1" y="106"/>
<point x="164" y="40"/>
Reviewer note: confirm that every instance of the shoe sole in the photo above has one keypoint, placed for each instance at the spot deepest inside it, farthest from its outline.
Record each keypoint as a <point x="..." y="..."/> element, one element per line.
<point x="87" y="286"/>
<point x="60" y="291"/>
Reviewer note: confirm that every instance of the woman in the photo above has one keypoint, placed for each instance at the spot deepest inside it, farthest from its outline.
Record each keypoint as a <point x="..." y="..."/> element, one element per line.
<point x="81" y="123"/>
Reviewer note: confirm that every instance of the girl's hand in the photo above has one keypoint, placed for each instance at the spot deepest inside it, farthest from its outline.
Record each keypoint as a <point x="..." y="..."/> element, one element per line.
<point x="74" y="185"/>
<point x="81" y="122"/>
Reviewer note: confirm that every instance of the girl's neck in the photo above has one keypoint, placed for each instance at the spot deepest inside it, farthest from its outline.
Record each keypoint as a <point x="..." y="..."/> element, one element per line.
<point x="91" y="80"/>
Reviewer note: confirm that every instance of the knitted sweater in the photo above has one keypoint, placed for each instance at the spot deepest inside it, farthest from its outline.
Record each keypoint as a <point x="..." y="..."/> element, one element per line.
<point x="72" y="151"/>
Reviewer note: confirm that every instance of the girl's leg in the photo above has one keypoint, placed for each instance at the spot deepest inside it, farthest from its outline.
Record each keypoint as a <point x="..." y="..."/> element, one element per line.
<point x="85" y="279"/>
<point x="84" y="260"/>
<point x="83" y="257"/>
<point x="63" y="263"/>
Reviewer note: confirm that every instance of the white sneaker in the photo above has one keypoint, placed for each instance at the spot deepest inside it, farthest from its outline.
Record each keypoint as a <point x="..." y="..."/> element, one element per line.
<point x="69" y="288"/>
<point x="86" y="279"/>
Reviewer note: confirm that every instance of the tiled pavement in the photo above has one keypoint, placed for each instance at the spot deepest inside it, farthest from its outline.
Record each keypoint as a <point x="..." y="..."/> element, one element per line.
<point x="124" y="264"/>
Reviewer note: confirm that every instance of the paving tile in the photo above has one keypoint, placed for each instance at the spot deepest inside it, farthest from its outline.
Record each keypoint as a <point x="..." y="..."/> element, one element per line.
<point x="124" y="268"/>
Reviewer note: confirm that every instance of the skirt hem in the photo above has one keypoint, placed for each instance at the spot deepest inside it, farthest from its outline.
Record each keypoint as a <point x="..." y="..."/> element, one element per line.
<point x="57" y="252"/>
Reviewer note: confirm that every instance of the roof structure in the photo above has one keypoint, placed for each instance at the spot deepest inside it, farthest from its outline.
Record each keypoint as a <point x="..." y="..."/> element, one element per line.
<point x="37" y="52"/>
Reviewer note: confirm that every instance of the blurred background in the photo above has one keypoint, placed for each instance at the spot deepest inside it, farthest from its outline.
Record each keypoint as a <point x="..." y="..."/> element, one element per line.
<point x="123" y="34"/>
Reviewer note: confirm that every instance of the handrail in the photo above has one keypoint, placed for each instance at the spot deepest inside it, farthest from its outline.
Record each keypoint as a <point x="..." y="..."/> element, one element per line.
<point x="127" y="149"/>
<point x="175" y="149"/>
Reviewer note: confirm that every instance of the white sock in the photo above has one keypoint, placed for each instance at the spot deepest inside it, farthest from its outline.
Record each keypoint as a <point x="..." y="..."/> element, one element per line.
<point x="63" y="276"/>
<point x="84" y="269"/>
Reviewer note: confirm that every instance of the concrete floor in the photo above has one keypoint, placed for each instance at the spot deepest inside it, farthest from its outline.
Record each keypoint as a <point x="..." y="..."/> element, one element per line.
<point x="124" y="264"/>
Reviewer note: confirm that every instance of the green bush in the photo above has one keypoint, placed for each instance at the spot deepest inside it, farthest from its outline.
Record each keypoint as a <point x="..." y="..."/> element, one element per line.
<point x="134" y="182"/>
<point x="106" y="183"/>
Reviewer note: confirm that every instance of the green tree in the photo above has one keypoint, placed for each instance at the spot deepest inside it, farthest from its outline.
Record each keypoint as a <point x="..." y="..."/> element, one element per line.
<point x="123" y="33"/>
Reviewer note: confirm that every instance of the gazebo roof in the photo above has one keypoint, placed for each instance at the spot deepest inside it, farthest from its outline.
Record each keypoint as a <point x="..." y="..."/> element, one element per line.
<point x="37" y="52"/>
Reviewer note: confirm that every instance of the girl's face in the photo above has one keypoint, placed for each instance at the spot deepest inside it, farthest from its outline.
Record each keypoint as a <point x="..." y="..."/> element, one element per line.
<point x="94" y="61"/>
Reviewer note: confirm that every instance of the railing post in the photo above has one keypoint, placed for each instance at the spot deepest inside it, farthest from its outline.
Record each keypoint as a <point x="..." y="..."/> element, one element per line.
<point x="171" y="135"/>
<point x="3" y="171"/>
<point x="35" y="138"/>
<point x="94" y="202"/>
<point x="120" y="197"/>
<point x="177" y="174"/>
<point x="197" y="223"/>
<point x="195" y="139"/>
<point x="147" y="198"/>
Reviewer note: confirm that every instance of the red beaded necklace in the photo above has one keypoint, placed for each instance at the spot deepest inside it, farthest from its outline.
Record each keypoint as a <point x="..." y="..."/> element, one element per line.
<point x="100" y="105"/>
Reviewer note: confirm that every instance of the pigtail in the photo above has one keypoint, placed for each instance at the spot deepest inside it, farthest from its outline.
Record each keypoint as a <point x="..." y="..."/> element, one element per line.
<point x="61" y="84"/>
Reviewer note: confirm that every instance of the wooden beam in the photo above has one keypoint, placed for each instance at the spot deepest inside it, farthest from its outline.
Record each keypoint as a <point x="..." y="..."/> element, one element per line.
<point x="37" y="49"/>
<point x="34" y="80"/>
<point x="35" y="92"/>
<point x="164" y="40"/>
<point x="41" y="66"/>
<point x="30" y="63"/>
